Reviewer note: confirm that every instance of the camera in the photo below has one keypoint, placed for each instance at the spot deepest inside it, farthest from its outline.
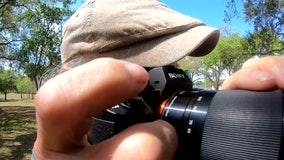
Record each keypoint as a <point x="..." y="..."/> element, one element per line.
<point x="224" y="124"/>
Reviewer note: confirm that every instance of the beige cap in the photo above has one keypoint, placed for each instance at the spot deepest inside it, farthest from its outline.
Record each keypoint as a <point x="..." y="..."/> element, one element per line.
<point x="145" y="32"/>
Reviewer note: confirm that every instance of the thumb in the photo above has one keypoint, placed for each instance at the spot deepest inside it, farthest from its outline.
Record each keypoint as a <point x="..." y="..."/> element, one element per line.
<point x="147" y="141"/>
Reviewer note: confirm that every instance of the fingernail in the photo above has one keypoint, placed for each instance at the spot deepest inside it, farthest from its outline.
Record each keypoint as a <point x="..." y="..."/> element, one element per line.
<point x="261" y="76"/>
<point x="138" y="73"/>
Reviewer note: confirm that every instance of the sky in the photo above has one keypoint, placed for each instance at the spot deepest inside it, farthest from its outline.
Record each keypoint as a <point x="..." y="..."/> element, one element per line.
<point x="211" y="12"/>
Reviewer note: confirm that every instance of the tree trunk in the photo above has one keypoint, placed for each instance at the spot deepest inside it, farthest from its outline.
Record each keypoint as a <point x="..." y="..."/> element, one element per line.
<point x="5" y="98"/>
<point x="36" y="83"/>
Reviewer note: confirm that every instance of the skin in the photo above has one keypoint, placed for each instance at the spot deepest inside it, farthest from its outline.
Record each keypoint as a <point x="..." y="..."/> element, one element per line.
<point x="65" y="104"/>
<point x="258" y="74"/>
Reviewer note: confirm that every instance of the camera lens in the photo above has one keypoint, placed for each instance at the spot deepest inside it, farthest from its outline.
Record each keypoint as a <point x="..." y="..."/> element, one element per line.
<point x="234" y="124"/>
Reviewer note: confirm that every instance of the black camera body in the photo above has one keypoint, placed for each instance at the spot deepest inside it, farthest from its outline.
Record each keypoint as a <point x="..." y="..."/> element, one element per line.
<point x="233" y="124"/>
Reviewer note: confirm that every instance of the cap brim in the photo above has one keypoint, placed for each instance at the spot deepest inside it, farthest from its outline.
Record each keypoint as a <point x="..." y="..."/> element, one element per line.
<point x="167" y="49"/>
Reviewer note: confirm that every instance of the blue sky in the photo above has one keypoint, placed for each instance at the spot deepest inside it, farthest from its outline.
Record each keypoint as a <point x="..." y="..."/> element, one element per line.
<point x="211" y="12"/>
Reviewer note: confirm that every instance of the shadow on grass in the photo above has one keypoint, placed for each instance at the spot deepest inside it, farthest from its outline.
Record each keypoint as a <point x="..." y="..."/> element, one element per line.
<point x="8" y="100"/>
<point x="12" y="100"/>
<point x="17" y="131"/>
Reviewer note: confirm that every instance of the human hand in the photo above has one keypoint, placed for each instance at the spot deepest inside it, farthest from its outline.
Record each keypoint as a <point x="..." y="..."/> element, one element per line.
<point x="258" y="74"/>
<point x="65" y="104"/>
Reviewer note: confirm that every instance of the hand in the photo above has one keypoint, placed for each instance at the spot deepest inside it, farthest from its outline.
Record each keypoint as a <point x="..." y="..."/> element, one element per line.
<point x="258" y="74"/>
<point x="66" y="103"/>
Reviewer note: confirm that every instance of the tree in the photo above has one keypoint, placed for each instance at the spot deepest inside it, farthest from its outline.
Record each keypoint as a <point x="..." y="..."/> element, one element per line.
<point x="41" y="46"/>
<point x="9" y="26"/>
<point x="38" y="30"/>
<point x="213" y="69"/>
<point x="24" y="85"/>
<point x="193" y="66"/>
<point x="267" y="16"/>
<point x="7" y="82"/>
<point x="263" y="43"/>
<point x="225" y="59"/>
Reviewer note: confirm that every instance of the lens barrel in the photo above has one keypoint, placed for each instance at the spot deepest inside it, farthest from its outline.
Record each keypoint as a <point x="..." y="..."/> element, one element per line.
<point x="234" y="124"/>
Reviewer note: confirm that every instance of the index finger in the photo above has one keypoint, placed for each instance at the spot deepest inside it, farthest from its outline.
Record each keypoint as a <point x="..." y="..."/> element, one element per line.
<point x="66" y="103"/>
<point x="261" y="74"/>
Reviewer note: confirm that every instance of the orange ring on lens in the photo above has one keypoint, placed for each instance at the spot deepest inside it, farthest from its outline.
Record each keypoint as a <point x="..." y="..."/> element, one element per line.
<point x="165" y="102"/>
<point x="162" y="106"/>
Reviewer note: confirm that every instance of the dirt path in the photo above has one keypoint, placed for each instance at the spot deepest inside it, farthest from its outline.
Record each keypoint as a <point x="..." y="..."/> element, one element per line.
<point x="17" y="131"/>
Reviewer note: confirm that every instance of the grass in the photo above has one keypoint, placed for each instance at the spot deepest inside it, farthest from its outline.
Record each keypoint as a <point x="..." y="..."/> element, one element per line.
<point x="17" y="127"/>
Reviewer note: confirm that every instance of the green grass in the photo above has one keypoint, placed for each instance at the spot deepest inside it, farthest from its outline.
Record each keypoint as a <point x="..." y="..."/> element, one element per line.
<point x="17" y="127"/>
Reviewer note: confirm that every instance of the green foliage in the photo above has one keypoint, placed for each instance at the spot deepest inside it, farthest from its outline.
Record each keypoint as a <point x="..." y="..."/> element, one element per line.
<point x="193" y="66"/>
<point x="267" y="16"/>
<point x="24" y="85"/>
<point x="10" y="26"/>
<point x="225" y="59"/>
<point x="199" y="84"/>
<point x="264" y="14"/>
<point x="41" y="48"/>
<point x="7" y="81"/>
<point x="10" y="82"/>
<point x="33" y="38"/>
<point x="263" y="43"/>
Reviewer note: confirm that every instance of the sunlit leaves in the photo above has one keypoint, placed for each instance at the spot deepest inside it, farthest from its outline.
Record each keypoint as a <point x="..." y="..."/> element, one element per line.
<point x="30" y="34"/>
<point x="267" y="17"/>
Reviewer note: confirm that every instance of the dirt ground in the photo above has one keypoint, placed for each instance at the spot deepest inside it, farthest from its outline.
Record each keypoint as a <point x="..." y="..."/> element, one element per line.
<point x="17" y="129"/>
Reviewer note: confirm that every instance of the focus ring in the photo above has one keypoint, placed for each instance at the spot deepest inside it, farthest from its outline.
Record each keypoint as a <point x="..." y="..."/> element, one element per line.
<point x="243" y="125"/>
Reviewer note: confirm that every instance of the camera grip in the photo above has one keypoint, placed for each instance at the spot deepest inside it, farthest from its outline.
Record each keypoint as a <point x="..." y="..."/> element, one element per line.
<point x="118" y="118"/>
<point x="100" y="130"/>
